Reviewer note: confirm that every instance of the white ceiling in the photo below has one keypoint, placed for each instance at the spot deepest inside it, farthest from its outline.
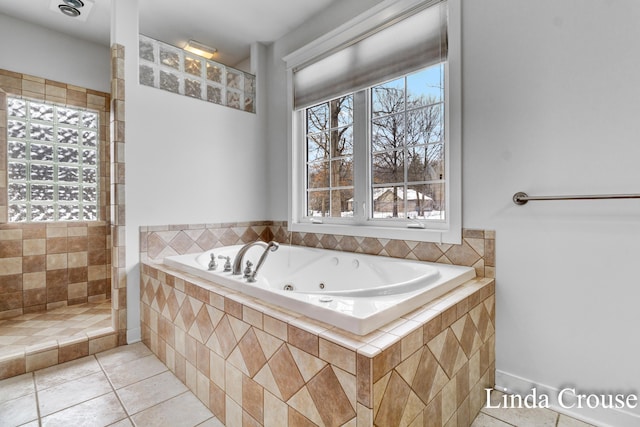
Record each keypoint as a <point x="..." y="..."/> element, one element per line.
<point x="230" y="26"/>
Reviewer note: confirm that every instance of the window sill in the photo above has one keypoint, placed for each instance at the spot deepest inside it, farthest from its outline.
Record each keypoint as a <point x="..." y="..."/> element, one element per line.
<point x="397" y="233"/>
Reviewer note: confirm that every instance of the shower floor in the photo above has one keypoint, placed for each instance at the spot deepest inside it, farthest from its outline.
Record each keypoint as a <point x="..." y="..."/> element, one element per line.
<point x="62" y="325"/>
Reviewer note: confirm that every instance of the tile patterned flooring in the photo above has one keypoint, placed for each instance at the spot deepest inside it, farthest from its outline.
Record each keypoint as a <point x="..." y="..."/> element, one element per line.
<point x="124" y="386"/>
<point x="128" y="385"/>
<point x="509" y="417"/>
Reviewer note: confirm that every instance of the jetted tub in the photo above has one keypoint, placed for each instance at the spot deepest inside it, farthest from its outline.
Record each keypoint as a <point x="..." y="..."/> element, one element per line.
<point x="355" y="292"/>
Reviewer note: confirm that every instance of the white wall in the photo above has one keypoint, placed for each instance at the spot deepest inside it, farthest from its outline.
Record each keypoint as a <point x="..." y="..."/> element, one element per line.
<point x="30" y="49"/>
<point x="187" y="161"/>
<point x="551" y="96"/>
<point x="551" y="106"/>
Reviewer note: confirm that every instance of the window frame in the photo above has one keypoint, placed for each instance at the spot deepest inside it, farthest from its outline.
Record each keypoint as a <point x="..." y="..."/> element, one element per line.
<point x="446" y="231"/>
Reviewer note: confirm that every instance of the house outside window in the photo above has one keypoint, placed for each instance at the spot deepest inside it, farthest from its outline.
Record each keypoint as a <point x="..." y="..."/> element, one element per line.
<point x="53" y="162"/>
<point x="380" y="158"/>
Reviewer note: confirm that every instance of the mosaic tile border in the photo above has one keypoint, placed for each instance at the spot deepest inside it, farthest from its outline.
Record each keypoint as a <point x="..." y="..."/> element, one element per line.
<point x="255" y="364"/>
<point x="156" y="242"/>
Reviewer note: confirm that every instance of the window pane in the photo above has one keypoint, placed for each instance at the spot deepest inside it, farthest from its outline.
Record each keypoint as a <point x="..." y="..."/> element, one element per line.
<point x="68" y="212"/>
<point x="318" y="203"/>
<point x="425" y="163"/>
<point x="41" y="172"/>
<point x="318" y="175"/>
<point x="169" y="81"/>
<point x="318" y="118"/>
<point x="192" y="66"/>
<point x="17" y="108"/>
<point x="68" y="116"/>
<point x="68" y="192"/>
<point x="169" y="58"/>
<point x="341" y="111"/>
<point x="89" y="213"/>
<point x="388" y="167"/>
<point x="214" y="73"/>
<point x="67" y="136"/>
<point x="388" y="133"/>
<point x="342" y="173"/>
<point x="386" y="202"/>
<point x="41" y="132"/>
<point x="17" y="171"/>
<point x="427" y="86"/>
<point x="17" y="150"/>
<point x="342" y="203"/>
<point x="42" y="213"/>
<point x="426" y="125"/>
<point x="16" y="129"/>
<point x="388" y="98"/>
<point x="317" y="147"/>
<point x="41" y="112"/>
<point x="41" y="192"/>
<point x="17" y="213"/>
<point x="430" y="202"/>
<point x="343" y="141"/>
<point x="89" y="119"/>
<point x="89" y="139"/>
<point x="89" y="176"/>
<point x="67" y="174"/>
<point x="89" y="157"/>
<point x="67" y="155"/>
<point x="192" y="88"/>
<point x="17" y="192"/>
<point x="90" y="194"/>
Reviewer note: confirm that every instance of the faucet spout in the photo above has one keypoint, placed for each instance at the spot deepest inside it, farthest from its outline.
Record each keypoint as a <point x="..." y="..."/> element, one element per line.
<point x="237" y="262"/>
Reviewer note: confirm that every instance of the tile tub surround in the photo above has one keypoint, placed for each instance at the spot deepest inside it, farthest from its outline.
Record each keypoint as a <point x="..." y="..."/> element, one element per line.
<point x="48" y="265"/>
<point x="156" y="242"/>
<point x="255" y="364"/>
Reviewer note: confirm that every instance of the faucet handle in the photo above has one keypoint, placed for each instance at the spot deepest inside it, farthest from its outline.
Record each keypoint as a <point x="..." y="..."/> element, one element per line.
<point x="247" y="270"/>
<point x="213" y="264"/>
<point x="227" y="263"/>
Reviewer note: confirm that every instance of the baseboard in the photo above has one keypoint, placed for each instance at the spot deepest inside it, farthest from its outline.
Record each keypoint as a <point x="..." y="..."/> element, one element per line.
<point x="604" y="417"/>
<point x="134" y="335"/>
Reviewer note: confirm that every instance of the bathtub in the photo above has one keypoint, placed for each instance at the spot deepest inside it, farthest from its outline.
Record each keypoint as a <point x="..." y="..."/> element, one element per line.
<point x="358" y="293"/>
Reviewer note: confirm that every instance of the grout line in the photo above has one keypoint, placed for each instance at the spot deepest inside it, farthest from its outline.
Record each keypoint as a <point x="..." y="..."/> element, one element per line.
<point x="35" y="392"/>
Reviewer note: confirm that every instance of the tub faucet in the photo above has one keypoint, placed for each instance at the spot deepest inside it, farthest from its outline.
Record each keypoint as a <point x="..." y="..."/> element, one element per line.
<point x="237" y="262"/>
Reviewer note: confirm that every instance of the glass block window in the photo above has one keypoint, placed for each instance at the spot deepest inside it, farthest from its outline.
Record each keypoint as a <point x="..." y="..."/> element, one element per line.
<point x="53" y="162"/>
<point x="172" y="69"/>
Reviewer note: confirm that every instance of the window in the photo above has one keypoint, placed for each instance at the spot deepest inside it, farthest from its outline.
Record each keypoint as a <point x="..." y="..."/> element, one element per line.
<point x="53" y="164"/>
<point x="376" y="140"/>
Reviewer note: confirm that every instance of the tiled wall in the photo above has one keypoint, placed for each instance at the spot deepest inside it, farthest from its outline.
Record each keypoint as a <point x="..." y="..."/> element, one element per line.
<point x="255" y="364"/>
<point x="44" y="266"/>
<point x="156" y="242"/>
<point x="117" y="204"/>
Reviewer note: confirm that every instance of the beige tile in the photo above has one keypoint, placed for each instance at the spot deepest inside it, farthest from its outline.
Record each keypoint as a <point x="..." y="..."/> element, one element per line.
<point x="184" y="409"/>
<point x="72" y="392"/>
<point x="41" y="360"/>
<point x="525" y="417"/>
<point x="484" y="420"/>
<point x="18" y="411"/>
<point x="10" y="266"/>
<point x="128" y="373"/>
<point x="151" y="391"/>
<point x="16" y="387"/>
<point x="60" y="374"/>
<point x="565" y="421"/>
<point x="56" y="261"/>
<point x="34" y="247"/>
<point x="102" y="410"/>
<point x="34" y="280"/>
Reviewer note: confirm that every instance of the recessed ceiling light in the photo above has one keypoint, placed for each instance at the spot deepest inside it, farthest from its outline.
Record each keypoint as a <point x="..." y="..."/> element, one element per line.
<point x="69" y="10"/>
<point x="75" y="3"/>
